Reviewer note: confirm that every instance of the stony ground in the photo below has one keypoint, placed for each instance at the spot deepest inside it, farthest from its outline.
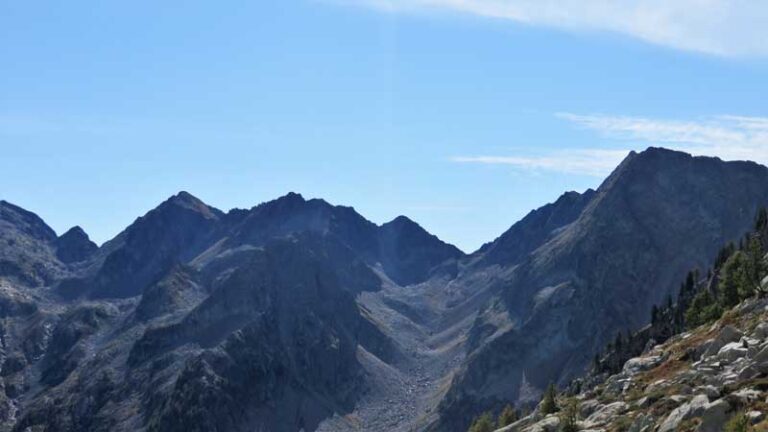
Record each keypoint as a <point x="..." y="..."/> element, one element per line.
<point x="696" y="381"/>
<point x="403" y="396"/>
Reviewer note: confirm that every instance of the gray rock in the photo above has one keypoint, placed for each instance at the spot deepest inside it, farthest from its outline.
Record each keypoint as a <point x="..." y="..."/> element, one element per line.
<point x="731" y="352"/>
<point x="760" y="331"/>
<point x="644" y="422"/>
<point x="691" y="409"/>
<point x="639" y="364"/>
<point x="755" y="417"/>
<point x="761" y="360"/>
<point x="746" y="396"/>
<point x="714" y="416"/>
<point x="727" y="335"/>
<point x="587" y="407"/>
<point x="549" y="424"/>
<point x="712" y="392"/>
<point x="605" y="414"/>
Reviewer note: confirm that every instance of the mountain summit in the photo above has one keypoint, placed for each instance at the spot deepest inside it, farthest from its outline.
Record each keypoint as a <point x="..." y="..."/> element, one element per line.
<point x="297" y="314"/>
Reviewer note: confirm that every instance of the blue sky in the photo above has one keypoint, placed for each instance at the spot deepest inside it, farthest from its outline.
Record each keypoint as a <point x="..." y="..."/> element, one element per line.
<point x="463" y="115"/>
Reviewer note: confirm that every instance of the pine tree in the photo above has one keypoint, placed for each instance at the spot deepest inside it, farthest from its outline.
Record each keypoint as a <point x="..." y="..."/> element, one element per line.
<point x="568" y="417"/>
<point x="596" y="363"/>
<point x="702" y="310"/>
<point x="654" y="314"/>
<point x="484" y="423"/>
<point x="618" y="342"/>
<point x="761" y="221"/>
<point x="690" y="282"/>
<point x="755" y="268"/>
<point x="549" y="401"/>
<point x="733" y="277"/>
<point x="507" y="417"/>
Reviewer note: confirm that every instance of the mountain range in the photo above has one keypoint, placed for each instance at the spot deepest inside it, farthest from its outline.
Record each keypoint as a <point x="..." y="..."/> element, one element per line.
<point x="300" y="315"/>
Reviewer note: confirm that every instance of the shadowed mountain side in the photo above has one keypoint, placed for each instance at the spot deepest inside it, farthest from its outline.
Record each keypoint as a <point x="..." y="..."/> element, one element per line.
<point x="658" y="215"/>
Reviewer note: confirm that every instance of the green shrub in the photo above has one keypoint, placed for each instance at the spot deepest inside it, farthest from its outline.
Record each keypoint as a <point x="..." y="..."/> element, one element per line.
<point x="737" y="423"/>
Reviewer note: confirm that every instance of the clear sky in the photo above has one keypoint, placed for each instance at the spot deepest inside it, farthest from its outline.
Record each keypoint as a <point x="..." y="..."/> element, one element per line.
<point x="463" y="115"/>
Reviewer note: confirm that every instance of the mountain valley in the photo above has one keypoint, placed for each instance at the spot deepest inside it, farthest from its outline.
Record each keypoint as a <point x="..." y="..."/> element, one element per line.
<point x="299" y="315"/>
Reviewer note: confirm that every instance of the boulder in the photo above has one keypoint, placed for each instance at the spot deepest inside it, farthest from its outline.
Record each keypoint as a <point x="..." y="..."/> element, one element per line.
<point x="644" y="422"/>
<point x="639" y="364"/>
<point x="587" y="407"/>
<point x="549" y="424"/>
<point x="714" y="416"/>
<point x="760" y="332"/>
<point x="605" y="414"/>
<point x="731" y="352"/>
<point x="746" y="396"/>
<point x="694" y="408"/>
<point x="712" y="392"/>
<point x="755" y="417"/>
<point x="727" y="335"/>
<point x="761" y="360"/>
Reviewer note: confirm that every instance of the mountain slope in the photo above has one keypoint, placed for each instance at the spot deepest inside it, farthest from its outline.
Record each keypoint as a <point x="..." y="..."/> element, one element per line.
<point x="699" y="380"/>
<point x="299" y="314"/>
<point x="658" y="215"/>
<point x="245" y="309"/>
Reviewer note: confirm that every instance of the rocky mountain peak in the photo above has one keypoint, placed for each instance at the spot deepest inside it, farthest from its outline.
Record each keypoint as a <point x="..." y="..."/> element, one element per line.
<point x="75" y="245"/>
<point x="187" y="201"/>
<point x="534" y="229"/>
<point x="25" y="221"/>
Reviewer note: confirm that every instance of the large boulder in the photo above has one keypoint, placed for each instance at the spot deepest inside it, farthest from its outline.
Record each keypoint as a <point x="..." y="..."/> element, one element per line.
<point x="714" y="416"/>
<point x="731" y="352"/>
<point x="605" y="414"/>
<point x="551" y="423"/>
<point x="639" y="364"/>
<point x="694" y="408"/>
<point x="727" y="335"/>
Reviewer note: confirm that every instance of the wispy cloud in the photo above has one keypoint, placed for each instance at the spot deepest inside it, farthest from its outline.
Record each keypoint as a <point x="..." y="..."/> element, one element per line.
<point x="721" y="27"/>
<point x="729" y="137"/>
<point x="594" y="162"/>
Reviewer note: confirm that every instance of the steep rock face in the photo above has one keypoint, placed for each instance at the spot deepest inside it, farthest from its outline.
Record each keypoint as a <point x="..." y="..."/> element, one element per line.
<point x="26" y="253"/>
<point x="658" y="215"/>
<point x="297" y="314"/>
<point x="174" y="232"/>
<point x="405" y="251"/>
<point x="296" y="328"/>
<point x="408" y="253"/>
<point x="279" y="328"/>
<point x="177" y="291"/>
<point x="697" y="380"/>
<point x="75" y="246"/>
<point x="534" y="229"/>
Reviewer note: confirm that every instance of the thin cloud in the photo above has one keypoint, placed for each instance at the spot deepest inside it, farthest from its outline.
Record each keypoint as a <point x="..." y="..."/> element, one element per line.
<point x="728" y="137"/>
<point x="719" y="27"/>
<point x="591" y="162"/>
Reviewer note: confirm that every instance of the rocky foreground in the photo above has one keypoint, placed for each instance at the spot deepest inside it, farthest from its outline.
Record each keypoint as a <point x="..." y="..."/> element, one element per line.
<point x="711" y="379"/>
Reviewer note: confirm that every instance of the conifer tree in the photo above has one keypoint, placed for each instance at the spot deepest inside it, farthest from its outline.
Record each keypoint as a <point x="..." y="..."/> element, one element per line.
<point x="549" y="401"/>
<point x="484" y="423"/>
<point x="568" y="417"/>
<point x="507" y="417"/>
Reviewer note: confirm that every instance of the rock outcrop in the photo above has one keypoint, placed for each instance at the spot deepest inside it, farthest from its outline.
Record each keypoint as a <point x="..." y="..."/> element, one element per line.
<point x="685" y="384"/>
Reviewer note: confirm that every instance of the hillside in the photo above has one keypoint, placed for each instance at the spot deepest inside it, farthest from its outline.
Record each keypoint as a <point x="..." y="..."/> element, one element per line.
<point x="658" y="215"/>
<point x="700" y="380"/>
